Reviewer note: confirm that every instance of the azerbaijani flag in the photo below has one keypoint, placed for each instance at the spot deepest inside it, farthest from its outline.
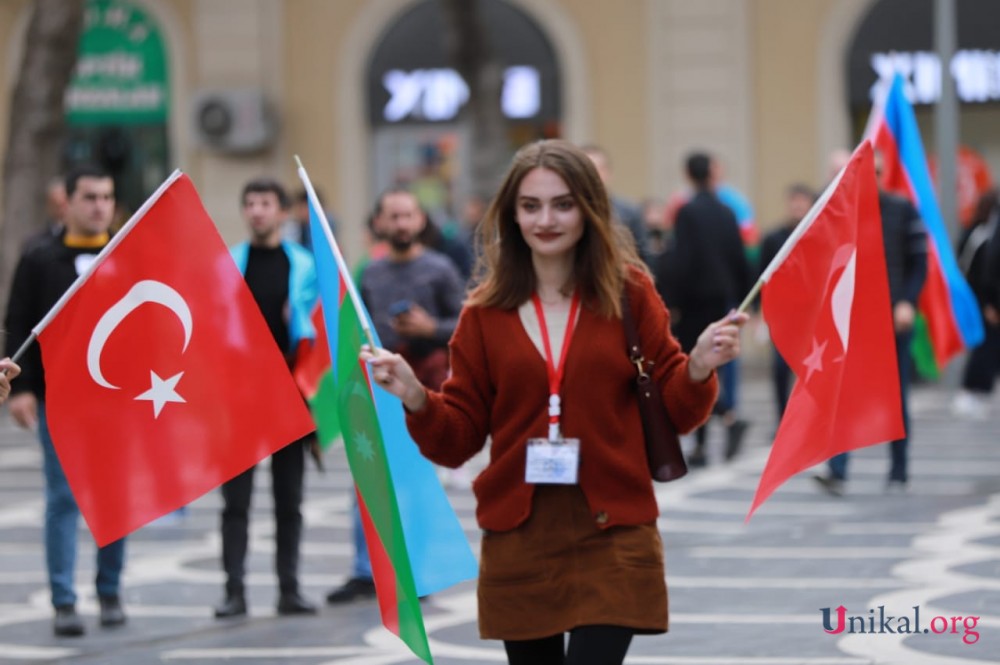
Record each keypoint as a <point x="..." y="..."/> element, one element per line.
<point x="313" y="374"/>
<point x="416" y="545"/>
<point x="950" y="310"/>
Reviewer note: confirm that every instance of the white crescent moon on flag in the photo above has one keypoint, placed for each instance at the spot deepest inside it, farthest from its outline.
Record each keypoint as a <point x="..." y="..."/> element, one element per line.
<point x="140" y="293"/>
<point x="842" y="299"/>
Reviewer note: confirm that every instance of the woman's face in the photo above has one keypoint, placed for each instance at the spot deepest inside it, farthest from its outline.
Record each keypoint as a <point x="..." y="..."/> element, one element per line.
<point x="549" y="218"/>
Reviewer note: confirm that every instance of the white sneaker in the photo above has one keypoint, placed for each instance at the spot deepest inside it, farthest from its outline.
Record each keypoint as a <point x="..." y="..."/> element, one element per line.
<point x="969" y="405"/>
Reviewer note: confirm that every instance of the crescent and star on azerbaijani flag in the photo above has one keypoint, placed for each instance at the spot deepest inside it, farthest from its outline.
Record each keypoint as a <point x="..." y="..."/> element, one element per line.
<point x="161" y="390"/>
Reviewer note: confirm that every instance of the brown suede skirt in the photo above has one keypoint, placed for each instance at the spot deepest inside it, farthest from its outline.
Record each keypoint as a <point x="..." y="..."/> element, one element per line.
<point x="559" y="570"/>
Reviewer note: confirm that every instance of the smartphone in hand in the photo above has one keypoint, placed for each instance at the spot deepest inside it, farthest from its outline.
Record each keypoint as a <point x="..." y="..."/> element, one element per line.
<point x="399" y="307"/>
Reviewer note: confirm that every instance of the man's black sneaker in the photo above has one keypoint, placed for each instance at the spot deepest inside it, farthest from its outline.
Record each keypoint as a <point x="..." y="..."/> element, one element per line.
<point x="234" y="605"/>
<point x="356" y="588"/>
<point x="734" y="438"/>
<point x="832" y="486"/>
<point x="67" y="622"/>
<point x="294" y="603"/>
<point x="112" y="613"/>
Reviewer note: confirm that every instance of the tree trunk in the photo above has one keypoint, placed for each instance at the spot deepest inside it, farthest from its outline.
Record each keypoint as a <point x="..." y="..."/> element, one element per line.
<point x="35" y="134"/>
<point x="471" y="54"/>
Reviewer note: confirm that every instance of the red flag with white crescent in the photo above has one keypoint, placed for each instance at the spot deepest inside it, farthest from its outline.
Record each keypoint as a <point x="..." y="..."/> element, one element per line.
<point x="827" y="306"/>
<point x="162" y="378"/>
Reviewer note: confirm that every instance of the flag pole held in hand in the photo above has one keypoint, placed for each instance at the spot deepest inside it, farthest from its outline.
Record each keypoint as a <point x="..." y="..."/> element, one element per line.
<point x="154" y="361"/>
<point x="21" y="350"/>
<point x="416" y="542"/>
<point x="93" y="266"/>
<point x="793" y="239"/>
<point x="826" y="302"/>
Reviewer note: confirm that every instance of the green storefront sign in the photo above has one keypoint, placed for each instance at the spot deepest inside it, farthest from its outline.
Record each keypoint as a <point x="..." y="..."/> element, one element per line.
<point x="121" y="72"/>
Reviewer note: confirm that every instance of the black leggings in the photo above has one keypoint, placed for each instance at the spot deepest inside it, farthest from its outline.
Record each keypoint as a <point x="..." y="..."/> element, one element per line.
<point x="588" y="645"/>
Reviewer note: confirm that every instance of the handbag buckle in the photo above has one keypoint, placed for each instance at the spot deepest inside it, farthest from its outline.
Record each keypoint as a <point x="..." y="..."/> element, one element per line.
<point x="638" y="361"/>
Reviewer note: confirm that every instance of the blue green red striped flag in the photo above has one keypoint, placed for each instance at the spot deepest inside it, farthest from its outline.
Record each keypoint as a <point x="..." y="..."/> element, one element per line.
<point x="415" y="541"/>
<point x="953" y="321"/>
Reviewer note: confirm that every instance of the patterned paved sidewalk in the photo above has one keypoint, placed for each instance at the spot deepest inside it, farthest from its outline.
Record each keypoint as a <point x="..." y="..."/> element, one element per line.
<point x="746" y="594"/>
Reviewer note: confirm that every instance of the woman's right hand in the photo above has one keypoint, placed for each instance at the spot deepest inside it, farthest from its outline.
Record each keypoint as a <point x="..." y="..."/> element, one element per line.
<point x="395" y="375"/>
<point x="718" y="344"/>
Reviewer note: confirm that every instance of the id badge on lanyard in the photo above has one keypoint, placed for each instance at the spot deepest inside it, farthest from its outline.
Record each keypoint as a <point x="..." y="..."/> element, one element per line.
<point x="554" y="460"/>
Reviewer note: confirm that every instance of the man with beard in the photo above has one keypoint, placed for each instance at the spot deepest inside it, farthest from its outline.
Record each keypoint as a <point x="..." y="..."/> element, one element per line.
<point x="414" y="296"/>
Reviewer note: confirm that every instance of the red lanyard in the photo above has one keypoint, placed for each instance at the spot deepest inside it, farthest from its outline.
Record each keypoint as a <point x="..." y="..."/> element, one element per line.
<point x="556" y="372"/>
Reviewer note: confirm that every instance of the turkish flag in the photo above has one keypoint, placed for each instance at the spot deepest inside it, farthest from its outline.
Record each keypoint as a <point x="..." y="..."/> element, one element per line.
<point x="827" y="306"/>
<point x="162" y="378"/>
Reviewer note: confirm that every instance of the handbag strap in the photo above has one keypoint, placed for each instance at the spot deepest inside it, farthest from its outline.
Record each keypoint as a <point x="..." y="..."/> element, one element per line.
<point x="632" y="338"/>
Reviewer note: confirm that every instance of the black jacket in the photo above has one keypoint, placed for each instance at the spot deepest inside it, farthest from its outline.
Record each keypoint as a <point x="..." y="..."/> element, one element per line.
<point x="706" y="267"/>
<point x="991" y="269"/>
<point x="979" y="258"/>
<point x="905" y="243"/>
<point x="772" y="243"/>
<point x="46" y="269"/>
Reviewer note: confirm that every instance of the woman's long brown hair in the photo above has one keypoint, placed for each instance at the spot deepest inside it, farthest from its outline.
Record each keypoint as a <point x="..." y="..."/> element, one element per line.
<point x="605" y="254"/>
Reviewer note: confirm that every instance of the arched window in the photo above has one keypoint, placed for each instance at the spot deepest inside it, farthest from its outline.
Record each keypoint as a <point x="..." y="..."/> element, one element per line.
<point x="415" y="99"/>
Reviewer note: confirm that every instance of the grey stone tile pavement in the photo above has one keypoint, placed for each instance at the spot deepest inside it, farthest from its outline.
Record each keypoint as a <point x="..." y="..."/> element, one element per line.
<point x="741" y="593"/>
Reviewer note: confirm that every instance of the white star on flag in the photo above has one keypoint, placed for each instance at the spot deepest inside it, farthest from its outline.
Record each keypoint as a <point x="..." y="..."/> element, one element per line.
<point x="814" y="361"/>
<point x="365" y="447"/>
<point x="161" y="391"/>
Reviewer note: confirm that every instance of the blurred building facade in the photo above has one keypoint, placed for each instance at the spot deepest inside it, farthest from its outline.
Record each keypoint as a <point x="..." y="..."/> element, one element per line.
<point x="361" y="90"/>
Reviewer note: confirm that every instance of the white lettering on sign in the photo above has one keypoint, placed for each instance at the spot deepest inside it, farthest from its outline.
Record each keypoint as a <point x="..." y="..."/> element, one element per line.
<point x="143" y="98"/>
<point x="976" y="74"/>
<point x="439" y="94"/>
<point x="118" y="64"/>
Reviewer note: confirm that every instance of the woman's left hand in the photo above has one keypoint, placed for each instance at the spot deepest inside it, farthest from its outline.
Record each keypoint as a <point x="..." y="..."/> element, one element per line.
<point x="718" y="344"/>
<point x="8" y="370"/>
<point x="396" y="376"/>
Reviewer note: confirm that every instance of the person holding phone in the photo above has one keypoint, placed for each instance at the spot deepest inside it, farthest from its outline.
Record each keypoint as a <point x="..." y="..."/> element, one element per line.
<point x="414" y="295"/>
<point x="399" y="308"/>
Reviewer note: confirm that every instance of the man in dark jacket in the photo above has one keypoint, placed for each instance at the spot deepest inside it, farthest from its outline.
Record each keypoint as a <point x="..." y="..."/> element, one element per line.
<point x="979" y="258"/>
<point x="905" y="241"/>
<point x="705" y="275"/>
<point x="49" y="266"/>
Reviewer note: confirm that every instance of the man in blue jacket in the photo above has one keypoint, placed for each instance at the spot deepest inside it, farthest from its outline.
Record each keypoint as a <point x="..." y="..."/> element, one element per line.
<point x="282" y="278"/>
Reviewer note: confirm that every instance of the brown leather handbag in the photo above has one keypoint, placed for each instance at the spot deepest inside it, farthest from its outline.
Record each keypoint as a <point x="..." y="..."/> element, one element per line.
<point x="663" y="447"/>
